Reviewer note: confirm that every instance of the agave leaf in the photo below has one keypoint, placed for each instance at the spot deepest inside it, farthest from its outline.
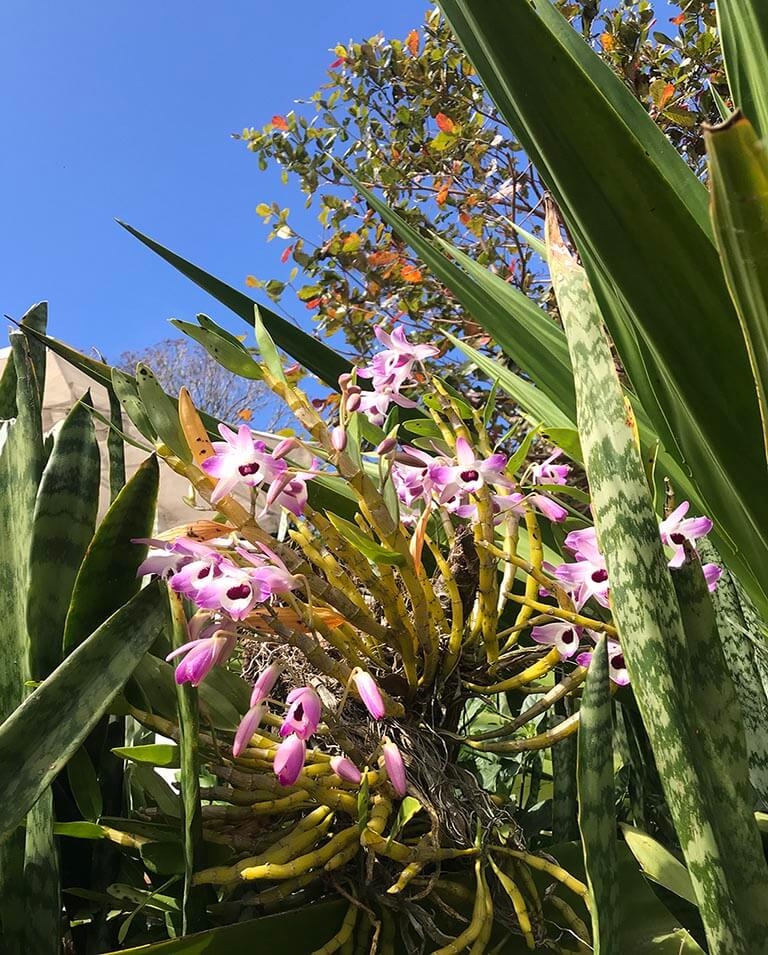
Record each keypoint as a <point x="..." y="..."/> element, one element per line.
<point x="40" y="736"/>
<point x="743" y="29"/>
<point x="638" y="216"/>
<point x="107" y="576"/>
<point x="739" y="173"/>
<point x="597" y="816"/>
<point x="315" y="356"/>
<point x="64" y="521"/>
<point x="718" y="837"/>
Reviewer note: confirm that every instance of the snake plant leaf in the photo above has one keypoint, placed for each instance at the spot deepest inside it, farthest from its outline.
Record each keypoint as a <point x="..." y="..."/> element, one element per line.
<point x="315" y="356"/>
<point x="738" y="168"/>
<point x="743" y="29"/>
<point x="234" y="358"/>
<point x="597" y="816"/>
<point x="64" y="522"/>
<point x="162" y="412"/>
<point x="20" y="467"/>
<point x="35" y="319"/>
<point x="658" y="863"/>
<point x="741" y="657"/>
<point x="639" y="218"/>
<point x="39" y="737"/>
<point x="107" y="576"/>
<point x="42" y="888"/>
<point x="726" y="863"/>
<point x="115" y="446"/>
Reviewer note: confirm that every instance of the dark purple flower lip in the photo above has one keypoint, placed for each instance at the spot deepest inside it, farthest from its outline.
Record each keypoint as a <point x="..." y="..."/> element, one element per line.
<point x="468" y="476"/>
<point x="241" y="592"/>
<point x="600" y="576"/>
<point x="246" y="469"/>
<point x="677" y="538"/>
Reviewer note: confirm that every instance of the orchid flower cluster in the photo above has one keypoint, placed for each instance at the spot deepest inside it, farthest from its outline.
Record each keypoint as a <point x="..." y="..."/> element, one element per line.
<point x="587" y="578"/>
<point x="301" y="722"/>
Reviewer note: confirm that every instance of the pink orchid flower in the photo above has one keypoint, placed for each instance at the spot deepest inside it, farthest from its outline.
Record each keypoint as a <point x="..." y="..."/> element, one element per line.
<point x="247" y="727"/>
<point x="617" y="669"/>
<point x="239" y="459"/>
<point x="212" y="646"/>
<point x="289" y="760"/>
<point x="303" y="713"/>
<point x="469" y="474"/>
<point x="560" y="634"/>
<point x="549" y="473"/>
<point x="676" y="529"/>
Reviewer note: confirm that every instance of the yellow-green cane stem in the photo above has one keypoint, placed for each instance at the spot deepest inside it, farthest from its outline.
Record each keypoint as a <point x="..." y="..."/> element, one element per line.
<point x="577" y="926"/>
<point x="558" y="873"/>
<point x="518" y="904"/>
<point x="311" y="860"/>
<point x="571" y="616"/>
<point x="548" y="738"/>
<point x="534" y="672"/>
<point x="343" y="935"/>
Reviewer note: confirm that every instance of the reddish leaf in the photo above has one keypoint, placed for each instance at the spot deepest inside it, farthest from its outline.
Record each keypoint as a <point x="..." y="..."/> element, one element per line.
<point x="678" y="19"/>
<point x="245" y="414"/>
<point x="286" y="254"/>
<point x="251" y="281"/>
<point x="279" y="122"/>
<point x="338" y="62"/>
<point x="608" y="42"/>
<point x="409" y="273"/>
<point x="442" y="194"/>
<point x="444" y="123"/>
<point x="412" y="42"/>
<point x="666" y="95"/>
<point x="313" y="303"/>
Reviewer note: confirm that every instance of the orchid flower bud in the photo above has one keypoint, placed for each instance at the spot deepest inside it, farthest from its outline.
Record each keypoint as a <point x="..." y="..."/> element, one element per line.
<point x="369" y="693"/>
<point x="388" y="444"/>
<point x="289" y="760"/>
<point x="393" y="763"/>
<point x="353" y="402"/>
<point x="248" y="726"/>
<point x="346" y="769"/>
<point x="339" y="438"/>
<point x="265" y="683"/>
<point x="284" y="447"/>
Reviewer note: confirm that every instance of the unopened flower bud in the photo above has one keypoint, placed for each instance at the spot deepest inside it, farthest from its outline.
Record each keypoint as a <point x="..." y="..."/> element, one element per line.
<point x="346" y="769"/>
<point x="393" y="763"/>
<point x="344" y="380"/>
<point x="369" y="693"/>
<point x="353" y="402"/>
<point x="284" y="447"/>
<point x="339" y="438"/>
<point x="388" y="444"/>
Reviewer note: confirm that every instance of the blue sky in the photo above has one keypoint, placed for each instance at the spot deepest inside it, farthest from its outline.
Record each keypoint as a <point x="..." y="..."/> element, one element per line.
<point x="126" y="109"/>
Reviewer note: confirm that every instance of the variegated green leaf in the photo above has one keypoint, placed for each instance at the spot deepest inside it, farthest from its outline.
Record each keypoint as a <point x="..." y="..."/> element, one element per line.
<point x="597" y="816"/>
<point x="718" y="840"/>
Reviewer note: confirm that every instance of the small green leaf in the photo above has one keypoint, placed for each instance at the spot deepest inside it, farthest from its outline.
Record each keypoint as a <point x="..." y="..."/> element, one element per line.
<point x="233" y="357"/>
<point x="84" y="784"/>
<point x="162" y="412"/>
<point x="79" y="830"/>
<point x="269" y="352"/>
<point x="127" y="393"/>
<point x="153" y="754"/>
<point x="367" y="547"/>
<point x="658" y="863"/>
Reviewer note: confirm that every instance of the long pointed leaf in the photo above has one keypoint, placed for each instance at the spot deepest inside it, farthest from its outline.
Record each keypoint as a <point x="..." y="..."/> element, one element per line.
<point x="743" y="29"/>
<point x="725" y="871"/>
<point x="41" y="735"/>
<point x="739" y="174"/>
<point x="597" y="816"/>
<point x="639" y="218"/>
<point x="308" y="351"/>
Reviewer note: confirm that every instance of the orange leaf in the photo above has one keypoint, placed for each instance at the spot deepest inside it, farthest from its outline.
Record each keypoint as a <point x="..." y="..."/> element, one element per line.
<point x="442" y="195"/>
<point x="678" y="19"/>
<point x="666" y="95"/>
<point x="313" y="303"/>
<point x="279" y="122"/>
<point x="416" y="544"/>
<point x="377" y="259"/>
<point x="251" y="281"/>
<point x="444" y="123"/>
<point x="412" y="42"/>
<point x="245" y="414"/>
<point x="410" y="273"/>
<point x="608" y="42"/>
